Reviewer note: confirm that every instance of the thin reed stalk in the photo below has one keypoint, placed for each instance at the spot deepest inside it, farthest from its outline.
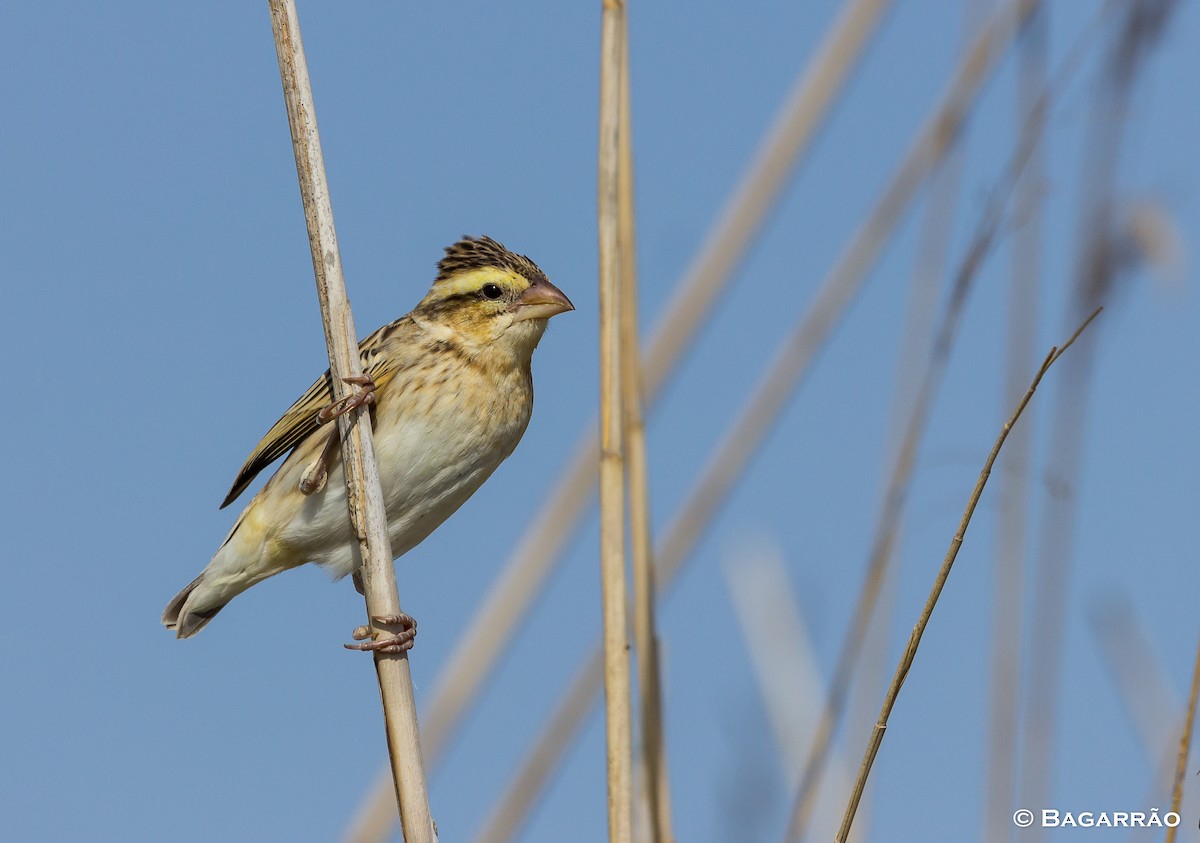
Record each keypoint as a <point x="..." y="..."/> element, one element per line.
<point x="365" y="499"/>
<point x="618" y="716"/>
<point x="888" y="524"/>
<point x="1185" y="744"/>
<point x="930" y="271"/>
<point x="914" y="641"/>
<point x="652" y="747"/>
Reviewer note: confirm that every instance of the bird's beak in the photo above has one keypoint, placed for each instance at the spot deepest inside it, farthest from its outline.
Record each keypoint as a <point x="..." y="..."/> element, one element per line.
<point x="541" y="301"/>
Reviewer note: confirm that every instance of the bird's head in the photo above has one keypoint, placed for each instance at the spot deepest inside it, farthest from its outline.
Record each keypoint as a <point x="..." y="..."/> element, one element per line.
<point x="490" y="296"/>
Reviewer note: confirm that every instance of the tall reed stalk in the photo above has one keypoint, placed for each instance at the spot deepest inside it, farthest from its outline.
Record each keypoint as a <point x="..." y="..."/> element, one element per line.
<point x="614" y="589"/>
<point x="652" y="747"/>
<point x="363" y="494"/>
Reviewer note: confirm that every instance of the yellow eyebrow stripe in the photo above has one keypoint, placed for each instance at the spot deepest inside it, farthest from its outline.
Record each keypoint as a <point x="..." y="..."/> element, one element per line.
<point x="471" y="280"/>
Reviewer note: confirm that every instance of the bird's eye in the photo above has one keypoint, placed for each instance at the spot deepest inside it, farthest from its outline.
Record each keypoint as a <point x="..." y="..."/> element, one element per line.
<point x="492" y="291"/>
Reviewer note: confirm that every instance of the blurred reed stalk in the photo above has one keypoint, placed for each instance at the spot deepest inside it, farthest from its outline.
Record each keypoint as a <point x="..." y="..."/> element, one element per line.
<point x="1140" y="682"/>
<point x="1014" y="480"/>
<point x="797" y="353"/>
<point x="652" y="746"/>
<point x="365" y="499"/>
<point x="930" y="269"/>
<point x="914" y="641"/>
<point x="935" y="138"/>
<point x="1099" y="263"/>
<point x="887" y="528"/>
<point x="618" y="716"/>
<point x="511" y="595"/>
<point x="785" y="663"/>
<point x="1185" y="744"/>
<point x="1138" y="674"/>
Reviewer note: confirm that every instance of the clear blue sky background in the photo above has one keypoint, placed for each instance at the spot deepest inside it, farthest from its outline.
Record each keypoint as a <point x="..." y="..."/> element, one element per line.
<point x="159" y="314"/>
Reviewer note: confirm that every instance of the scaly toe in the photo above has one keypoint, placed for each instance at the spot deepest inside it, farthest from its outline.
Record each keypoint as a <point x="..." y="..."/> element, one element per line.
<point x="364" y="396"/>
<point x="397" y="643"/>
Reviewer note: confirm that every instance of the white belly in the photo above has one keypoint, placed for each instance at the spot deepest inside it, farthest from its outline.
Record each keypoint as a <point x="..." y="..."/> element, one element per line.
<point x="426" y="472"/>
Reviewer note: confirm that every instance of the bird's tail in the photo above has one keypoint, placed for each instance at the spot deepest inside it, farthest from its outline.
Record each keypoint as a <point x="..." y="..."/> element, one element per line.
<point x="188" y="613"/>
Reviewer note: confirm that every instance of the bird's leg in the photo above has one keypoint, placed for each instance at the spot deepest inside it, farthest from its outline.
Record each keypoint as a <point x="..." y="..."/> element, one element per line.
<point x="397" y="643"/>
<point x="314" y="477"/>
<point x="363" y="396"/>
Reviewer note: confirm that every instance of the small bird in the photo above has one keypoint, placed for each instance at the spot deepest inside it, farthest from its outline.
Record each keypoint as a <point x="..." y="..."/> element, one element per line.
<point x="451" y="392"/>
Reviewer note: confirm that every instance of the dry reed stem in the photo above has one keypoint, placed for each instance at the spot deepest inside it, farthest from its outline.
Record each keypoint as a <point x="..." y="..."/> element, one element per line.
<point x="727" y="464"/>
<point x="1094" y="282"/>
<point x="896" y="493"/>
<point x="840" y="286"/>
<point x="1014" y="478"/>
<point x="652" y="748"/>
<point x="836" y="292"/>
<point x="758" y="192"/>
<point x="618" y="715"/>
<point x="938" y="132"/>
<point x="523" y="789"/>
<point x="1185" y="744"/>
<point x="939" y="582"/>
<point x="365" y="499"/>
<point x="930" y="269"/>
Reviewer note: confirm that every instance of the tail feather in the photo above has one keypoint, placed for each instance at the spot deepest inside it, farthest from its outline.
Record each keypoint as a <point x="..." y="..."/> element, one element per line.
<point x="188" y="620"/>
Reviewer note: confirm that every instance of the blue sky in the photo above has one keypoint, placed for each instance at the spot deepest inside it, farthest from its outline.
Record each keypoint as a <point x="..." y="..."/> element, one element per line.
<point x="161" y="314"/>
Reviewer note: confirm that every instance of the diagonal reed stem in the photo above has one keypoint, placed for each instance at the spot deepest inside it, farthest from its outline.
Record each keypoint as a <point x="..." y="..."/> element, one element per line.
<point x="365" y="499"/>
<point x="895" y="494"/>
<point x="1185" y="744"/>
<point x="914" y="641"/>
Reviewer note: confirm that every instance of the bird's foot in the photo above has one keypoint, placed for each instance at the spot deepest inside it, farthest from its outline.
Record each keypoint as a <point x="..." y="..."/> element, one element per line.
<point x="397" y="643"/>
<point x="365" y="394"/>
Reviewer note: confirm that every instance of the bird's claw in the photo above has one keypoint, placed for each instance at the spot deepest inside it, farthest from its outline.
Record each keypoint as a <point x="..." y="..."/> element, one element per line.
<point x="364" y="395"/>
<point x="397" y="643"/>
<point x="317" y="472"/>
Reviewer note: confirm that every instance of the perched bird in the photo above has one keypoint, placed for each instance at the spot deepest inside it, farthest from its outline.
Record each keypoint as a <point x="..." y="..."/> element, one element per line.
<point x="451" y="393"/>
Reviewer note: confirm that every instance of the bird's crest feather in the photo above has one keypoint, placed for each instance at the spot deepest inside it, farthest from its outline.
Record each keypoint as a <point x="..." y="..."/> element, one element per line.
<point x="471" y="253"/>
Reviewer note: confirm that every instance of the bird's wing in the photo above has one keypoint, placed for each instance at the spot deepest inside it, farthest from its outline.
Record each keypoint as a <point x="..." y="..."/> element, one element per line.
<point x="300" y="421"/>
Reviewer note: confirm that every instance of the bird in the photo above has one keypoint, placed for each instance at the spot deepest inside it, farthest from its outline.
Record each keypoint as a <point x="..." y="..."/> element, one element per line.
<point x="450" y="391"/>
